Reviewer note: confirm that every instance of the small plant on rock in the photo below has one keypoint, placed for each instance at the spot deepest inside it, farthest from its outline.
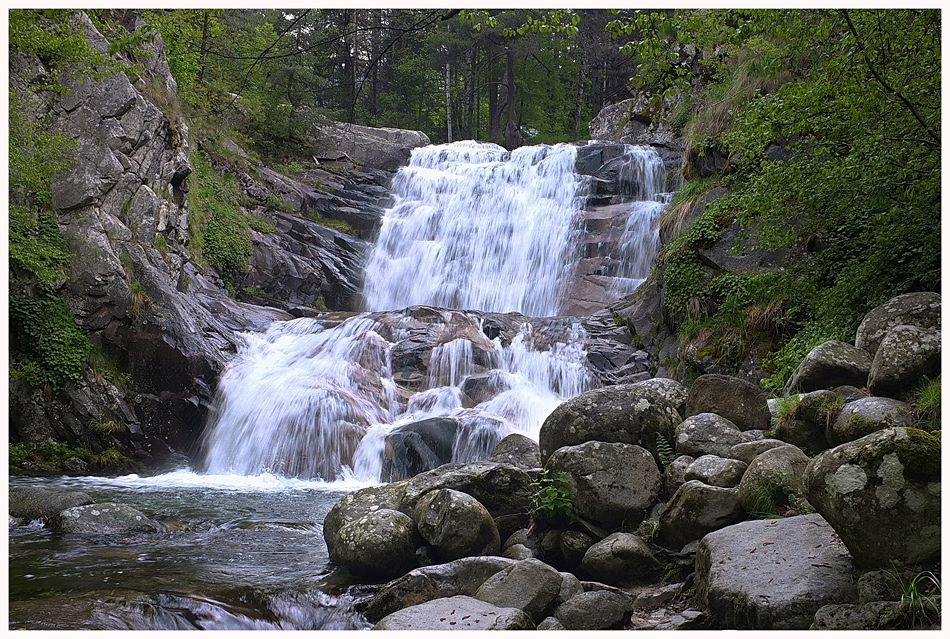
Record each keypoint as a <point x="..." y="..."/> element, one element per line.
<point x="552" y="497"/>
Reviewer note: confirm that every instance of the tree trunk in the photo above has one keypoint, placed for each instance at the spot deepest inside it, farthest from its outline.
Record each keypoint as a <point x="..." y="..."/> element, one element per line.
<point x="448" y="103"/>
<point x="513" y="137"/>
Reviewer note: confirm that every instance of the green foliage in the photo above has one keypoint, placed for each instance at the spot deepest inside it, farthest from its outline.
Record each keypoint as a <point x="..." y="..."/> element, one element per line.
<point x="920" y="598"/>
<point x="926" y="403"/>
<point x="260" y="224"/>
<point x="105" y="367"/>
<point x="51" y="455"/>
<point x="664" y="450"/>
<point x="220" y="229"/>
<point x="552" y="496"/>
<point x="47" y="346"/>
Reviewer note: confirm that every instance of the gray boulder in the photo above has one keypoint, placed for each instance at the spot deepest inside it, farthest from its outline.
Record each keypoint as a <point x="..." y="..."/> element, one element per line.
<point x="716" y="471"/>
<point x="696" y="509"/>
<point x="741" y="402"/>
<point x="772" y="574"/>
<point x="868" y="415"/>
<point x="620" y="559"/>
<point x="625" y="413"/>
<point x="772" y="479"/>
<point x="882" y="495"/>
<point x="27" y="503"/>
<point x="573" y="545"/>
<point x="517" y="450"/>
<point x="747" y="451"/>
<point x="875" y="615"/>
<point x="419" y="446"/>
<point x="456" y="613"/>
<point x="529" y="585"/>
<point x="502" y="489"/>
<point x="459" y="577"/>
<point x="671" y="389"/>
<point x="907" y="354"/>
<point x="708" y="434"/>
<point x="382" y="148"/>
<point x="912" y="309"/>
<point x="828" y="365"/>
<point x="594" y="610"/>
<point x="805" y="425"/>
<point x="674" y="475"/>
<point x="354" y="505"/>
<point x="379" y="545"/>
<point x="610" y="483"/>
<point x="456" y="525"/>
<point x="107" y="519"/>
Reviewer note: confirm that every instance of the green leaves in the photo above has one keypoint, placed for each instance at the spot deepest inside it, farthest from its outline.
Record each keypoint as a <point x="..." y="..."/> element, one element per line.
<point x="552" y="496"/>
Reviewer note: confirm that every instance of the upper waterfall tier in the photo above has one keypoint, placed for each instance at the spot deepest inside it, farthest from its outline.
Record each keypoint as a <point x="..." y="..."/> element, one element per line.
<point x="476" y="227"/>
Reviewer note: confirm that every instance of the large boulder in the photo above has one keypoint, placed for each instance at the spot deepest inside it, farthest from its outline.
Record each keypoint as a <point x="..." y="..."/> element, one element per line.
<point x="382" y="148"/>
<point x="716" y="471"/>
<point x="882" y="495"/>
<point x="459" y="577"/>
<point x="773" y="480"/>
<point x="772" y="574"/>
<point x="456" y="525"/>
<point x="747" y="451"/>
<point x="906" y="355"/>
<point x="806" y="424"/>
<point x="741" y="402"/>
<point x="672" y="390"/>
<point x="529" y="585"/>
<point x="912" y="309"/>
<point x="349" y="510"/>
<point x="456" y="613"/>
<point x="828" y="365"/>
<point x="419" y="446"/>
<point x="625" y="413"/>
<point x="610" y="483"/>
<point x="27" y="503"/>
<point x="517" y="450"/>
<point x="620" y="559"/>
<point x="708" y="434"/>
<point x="104" y="519"/>
<point x="696" y="509"/>
<point x="865" y="416"/>
<point x="501" y="488"/>
<point x="594" y="610"/>
<point x="379" y="545"/>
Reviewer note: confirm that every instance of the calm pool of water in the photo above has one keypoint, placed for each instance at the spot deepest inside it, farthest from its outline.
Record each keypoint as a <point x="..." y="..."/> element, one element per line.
<point x="238" y="552"/>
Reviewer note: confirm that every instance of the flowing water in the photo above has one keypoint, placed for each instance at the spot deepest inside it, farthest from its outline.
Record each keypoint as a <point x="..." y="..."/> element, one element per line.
<point x="304" y="410"/>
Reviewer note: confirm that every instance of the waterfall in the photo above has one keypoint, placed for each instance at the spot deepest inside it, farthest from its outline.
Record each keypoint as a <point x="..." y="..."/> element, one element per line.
<point x="474" y="228"/>
<point x="477" y="227"/>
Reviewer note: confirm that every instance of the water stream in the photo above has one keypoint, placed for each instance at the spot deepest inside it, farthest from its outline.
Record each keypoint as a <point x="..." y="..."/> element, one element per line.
<point x="305" y="408"/>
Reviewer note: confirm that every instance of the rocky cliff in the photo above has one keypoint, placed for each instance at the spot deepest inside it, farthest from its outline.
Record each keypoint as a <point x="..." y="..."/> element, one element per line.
<point x="160" y="318"/>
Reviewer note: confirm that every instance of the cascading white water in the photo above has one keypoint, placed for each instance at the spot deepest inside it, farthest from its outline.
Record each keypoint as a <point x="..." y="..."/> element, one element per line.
<point x="477" y="227"/>
<point x="644" y="176"/>
<point x="473" y="227"/>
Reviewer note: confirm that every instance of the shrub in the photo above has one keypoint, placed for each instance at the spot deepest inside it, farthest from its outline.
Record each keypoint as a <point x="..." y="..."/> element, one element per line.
<point x="552" y="496"/>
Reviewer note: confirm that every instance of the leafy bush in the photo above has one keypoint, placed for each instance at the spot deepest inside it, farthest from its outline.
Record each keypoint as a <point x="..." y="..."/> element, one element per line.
<point x="48" y="347"/>
<point x="552" y="496"/>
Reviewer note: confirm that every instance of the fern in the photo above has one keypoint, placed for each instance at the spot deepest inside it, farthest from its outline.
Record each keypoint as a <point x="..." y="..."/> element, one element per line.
<point x="664" y="450"/>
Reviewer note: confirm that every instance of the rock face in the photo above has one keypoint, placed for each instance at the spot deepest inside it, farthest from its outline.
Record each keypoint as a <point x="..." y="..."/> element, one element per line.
<point x="379" y="147"/>
<point x="456" y="613"/>
<point x="882" y="495"/>
<point x="772" y="574"/>
<point x="625" y="413"/>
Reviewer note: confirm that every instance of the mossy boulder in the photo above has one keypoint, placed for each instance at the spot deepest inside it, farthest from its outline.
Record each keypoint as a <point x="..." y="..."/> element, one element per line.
<point x="27" y="503"/>
<point x="697" y="509"/>
<point x="865" y="416"/>
<point x="828" y="365"/>
<point x="740" y="401"/>
<point x="625" y="413"/>
<point x="910" y="309"/>
<point x="882" y="495"/>
<point x="104" y="519"/>
<point x="906" y="356"/>
<point x="456" y="525"/>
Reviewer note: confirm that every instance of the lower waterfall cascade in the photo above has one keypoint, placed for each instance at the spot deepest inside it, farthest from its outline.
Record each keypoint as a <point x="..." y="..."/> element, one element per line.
<point x="473" y="229"/>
